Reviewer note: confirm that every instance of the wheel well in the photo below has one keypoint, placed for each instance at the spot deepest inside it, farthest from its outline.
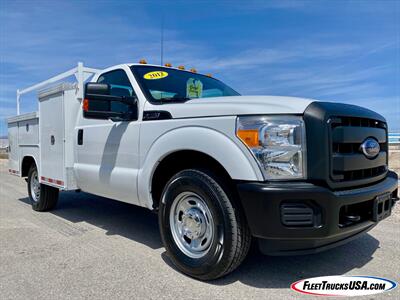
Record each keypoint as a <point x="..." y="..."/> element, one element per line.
<point x="27" y="162"/>
<point x="180" y="160"/>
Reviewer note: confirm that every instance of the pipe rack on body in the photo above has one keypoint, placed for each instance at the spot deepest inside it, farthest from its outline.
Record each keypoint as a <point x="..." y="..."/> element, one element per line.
<point x="81" y="73"/>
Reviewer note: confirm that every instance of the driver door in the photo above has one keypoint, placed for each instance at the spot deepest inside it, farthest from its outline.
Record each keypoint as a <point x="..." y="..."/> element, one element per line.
<point x="107" y="159"/>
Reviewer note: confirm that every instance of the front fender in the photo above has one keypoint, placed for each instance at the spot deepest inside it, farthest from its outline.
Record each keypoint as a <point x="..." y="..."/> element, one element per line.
<point x="232" y="155"/>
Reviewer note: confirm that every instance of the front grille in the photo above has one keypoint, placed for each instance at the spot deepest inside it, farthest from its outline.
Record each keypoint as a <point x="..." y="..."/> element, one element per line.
<point x="358" y="122"/>
<point x="335" y="132"/>
<point x="347" y="148"/>
<point x="361" y="174"/>
<point x="348" y="163"/>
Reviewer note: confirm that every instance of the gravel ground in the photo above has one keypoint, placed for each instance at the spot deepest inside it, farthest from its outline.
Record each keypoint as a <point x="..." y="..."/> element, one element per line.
<point x="91" y="247"/>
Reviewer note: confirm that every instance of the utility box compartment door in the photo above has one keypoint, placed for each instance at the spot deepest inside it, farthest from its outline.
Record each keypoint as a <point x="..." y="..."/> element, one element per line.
<point x="13" y="155"/>
<point x="52" y="139"/>
<point x="28" y="132"/>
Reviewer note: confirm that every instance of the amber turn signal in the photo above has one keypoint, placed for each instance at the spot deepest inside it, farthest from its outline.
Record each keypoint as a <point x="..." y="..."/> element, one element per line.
<point x="249" y="137"/>
<point x="85" y="105"/>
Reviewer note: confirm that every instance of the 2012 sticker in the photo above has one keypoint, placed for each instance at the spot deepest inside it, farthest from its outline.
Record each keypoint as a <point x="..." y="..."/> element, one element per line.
<point x="155" y="75"/>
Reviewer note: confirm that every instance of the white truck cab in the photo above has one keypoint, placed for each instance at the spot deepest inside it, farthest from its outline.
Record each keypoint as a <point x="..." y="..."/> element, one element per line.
<point x="296" y="175"/>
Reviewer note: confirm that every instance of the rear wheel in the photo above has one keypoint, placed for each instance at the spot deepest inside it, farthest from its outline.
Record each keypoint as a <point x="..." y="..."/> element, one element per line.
<point x="43" y="197"/>
<point x="204" y="233"/>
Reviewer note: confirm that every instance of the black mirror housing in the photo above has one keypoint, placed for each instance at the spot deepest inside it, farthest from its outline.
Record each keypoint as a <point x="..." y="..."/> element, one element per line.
<point x="93" y="88"/>
<point x="100" y="92"/>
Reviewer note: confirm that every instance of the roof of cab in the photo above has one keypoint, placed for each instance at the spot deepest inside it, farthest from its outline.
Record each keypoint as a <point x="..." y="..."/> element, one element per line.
<point x="159" y="66"/>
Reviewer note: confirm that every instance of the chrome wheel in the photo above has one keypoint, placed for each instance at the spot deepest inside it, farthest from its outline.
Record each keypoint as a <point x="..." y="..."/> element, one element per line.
<point x="191" y="224"/>
<point x="35" y="186"/>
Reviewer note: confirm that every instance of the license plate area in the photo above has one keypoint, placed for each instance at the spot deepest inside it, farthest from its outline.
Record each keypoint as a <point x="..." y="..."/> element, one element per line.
<point x="382" y="207"/>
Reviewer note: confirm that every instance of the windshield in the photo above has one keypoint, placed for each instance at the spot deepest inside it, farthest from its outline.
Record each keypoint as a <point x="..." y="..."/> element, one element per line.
<point x="170" y="85"/>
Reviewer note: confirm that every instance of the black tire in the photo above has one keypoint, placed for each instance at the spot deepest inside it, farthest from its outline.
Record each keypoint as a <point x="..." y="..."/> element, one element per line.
<point x="231" y="238"/>
<point x="47" y="197"/>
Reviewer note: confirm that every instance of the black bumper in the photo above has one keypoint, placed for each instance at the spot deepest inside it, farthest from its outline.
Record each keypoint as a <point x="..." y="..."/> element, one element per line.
<point x="263" y="203"/>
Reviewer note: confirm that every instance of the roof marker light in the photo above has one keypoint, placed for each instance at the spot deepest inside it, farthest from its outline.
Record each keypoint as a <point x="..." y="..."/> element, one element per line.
<point x="181" y="67"/>
<point x="193" y="70"/>
<point x="142" y="61"/>
<point x="168" y="65"/>
<point x="209" y="75"/>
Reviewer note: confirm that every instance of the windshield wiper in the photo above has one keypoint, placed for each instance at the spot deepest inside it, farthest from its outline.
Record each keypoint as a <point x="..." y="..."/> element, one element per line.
<point x="174" y="99"/>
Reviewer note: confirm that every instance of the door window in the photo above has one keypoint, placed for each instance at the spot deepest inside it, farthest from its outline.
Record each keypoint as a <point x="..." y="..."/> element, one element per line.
<point x="119" y="86"/>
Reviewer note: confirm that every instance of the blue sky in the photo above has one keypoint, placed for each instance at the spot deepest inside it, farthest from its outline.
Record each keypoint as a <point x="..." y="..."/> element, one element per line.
<point x="345" y="51"/>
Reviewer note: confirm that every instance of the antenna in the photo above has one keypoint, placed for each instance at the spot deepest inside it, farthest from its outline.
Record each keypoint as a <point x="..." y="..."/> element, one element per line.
<point x="162" y="40"/>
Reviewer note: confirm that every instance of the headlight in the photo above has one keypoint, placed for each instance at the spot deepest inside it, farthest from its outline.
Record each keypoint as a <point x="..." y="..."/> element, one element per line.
<point x="277" y="143"/>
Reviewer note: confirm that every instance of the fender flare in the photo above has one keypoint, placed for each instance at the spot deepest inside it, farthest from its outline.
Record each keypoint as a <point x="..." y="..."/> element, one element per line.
<point x="232" y="155"/>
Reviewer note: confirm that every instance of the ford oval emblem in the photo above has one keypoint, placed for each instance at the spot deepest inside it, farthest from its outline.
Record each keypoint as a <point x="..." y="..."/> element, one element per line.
<point x="370" y="147"/>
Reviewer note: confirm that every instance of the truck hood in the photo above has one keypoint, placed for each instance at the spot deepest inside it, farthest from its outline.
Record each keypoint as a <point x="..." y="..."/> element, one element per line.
<point x="234" y="105"/>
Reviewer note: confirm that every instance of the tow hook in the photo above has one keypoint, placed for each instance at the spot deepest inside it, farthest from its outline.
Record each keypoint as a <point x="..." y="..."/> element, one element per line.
<point x="350" y="219"/>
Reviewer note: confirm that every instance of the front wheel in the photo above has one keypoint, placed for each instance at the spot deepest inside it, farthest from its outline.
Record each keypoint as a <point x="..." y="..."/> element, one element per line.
<point x="204" y="233"/>
<point x="43" y="197"/>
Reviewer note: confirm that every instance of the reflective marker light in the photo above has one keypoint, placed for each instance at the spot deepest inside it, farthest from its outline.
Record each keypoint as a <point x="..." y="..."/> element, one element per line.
<point x="85" y="105"/>
<point x="277" y="143"/>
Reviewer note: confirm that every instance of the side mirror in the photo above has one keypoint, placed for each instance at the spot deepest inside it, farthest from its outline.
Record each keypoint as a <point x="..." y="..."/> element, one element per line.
<point x="97" y="103"/>
<point x="92" y="88"/>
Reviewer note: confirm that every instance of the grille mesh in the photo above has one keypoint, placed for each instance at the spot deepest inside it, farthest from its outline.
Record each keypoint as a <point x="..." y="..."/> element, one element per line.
<point x="347" y="147"/>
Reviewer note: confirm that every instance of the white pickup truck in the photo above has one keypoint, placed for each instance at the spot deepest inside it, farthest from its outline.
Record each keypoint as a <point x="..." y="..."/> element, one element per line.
<point x="220" y="169"/>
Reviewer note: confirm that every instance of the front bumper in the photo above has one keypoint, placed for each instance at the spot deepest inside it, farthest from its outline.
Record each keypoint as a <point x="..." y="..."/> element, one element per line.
<point x="262" y="203"/>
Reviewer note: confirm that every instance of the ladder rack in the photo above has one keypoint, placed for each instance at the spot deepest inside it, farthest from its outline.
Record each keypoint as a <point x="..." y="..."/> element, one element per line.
<point x="81" y="73"/>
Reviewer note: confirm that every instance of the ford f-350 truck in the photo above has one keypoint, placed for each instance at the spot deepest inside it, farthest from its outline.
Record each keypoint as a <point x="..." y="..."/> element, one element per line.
<point x="296" y="175"/>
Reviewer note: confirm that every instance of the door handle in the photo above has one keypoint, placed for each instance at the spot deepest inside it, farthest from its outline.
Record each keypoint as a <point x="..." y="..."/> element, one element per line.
<point x="80" y="137"/>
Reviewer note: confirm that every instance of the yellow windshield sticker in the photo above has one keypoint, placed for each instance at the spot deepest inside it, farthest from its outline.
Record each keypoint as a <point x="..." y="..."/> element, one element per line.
<point x="194" y="88"/>
<point x="155" y="75"/>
